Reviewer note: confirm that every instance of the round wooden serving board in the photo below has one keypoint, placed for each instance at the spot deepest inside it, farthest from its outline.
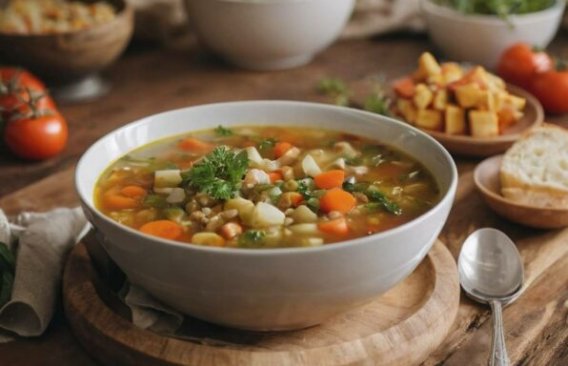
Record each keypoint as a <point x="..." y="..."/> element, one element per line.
<point x="401" y="327"/>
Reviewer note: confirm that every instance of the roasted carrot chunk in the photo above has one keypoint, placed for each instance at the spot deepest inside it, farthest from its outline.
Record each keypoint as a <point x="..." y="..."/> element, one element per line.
<point x="165" y="229"/>
<point x="330" y="179"/>
<point x="404" y="88"/>
<point x="337" y="199"/>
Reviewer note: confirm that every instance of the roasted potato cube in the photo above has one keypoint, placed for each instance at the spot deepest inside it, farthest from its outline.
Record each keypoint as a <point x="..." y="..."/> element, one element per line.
<point x="436" y="80"/>
<point x="517" y="102"/>
<point x="494" y="82"/>
<point x="429" y="119"/>
<point x="487" y="101"/>
<point x="451" y="71"/>
<point x="427" y="66"/>
<point x="423" y="96"/>
<point x="455" y="120"/>
<point x="483" y="123"/>
<point x="468" y="95"/>
<point x="500" y="98"/>
<point x="407" y="110"/>
<point x="440" y="99"/>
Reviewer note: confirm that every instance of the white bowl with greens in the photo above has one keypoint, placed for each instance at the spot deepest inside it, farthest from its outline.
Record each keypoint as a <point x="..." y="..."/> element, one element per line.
<point x="478" y="31"/>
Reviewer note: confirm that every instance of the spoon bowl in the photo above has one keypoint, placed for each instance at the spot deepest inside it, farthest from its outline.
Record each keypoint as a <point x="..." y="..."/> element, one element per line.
<point x="491" y="272"/>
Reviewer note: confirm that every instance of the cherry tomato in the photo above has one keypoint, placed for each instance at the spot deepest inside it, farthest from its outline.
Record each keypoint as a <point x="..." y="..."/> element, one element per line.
<point x="39" y="136"/>
<point x="551" y="89"/>
<point x="519" y="63"/>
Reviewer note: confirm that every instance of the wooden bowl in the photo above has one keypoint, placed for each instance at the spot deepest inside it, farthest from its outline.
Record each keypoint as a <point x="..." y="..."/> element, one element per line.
<point x="488" y="146"/>
<point x="486" y="177"/>
<point x="67" y="57"/>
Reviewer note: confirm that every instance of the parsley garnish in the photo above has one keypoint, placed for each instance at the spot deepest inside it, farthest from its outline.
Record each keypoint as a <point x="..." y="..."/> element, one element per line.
<point x="379" y="200"/>
<point x="219" y="174"/>
<point x="377" y="103"/>
<point x="334" y="88"/>
<point x="251" y="238"/>
<point x="223" y="131"/>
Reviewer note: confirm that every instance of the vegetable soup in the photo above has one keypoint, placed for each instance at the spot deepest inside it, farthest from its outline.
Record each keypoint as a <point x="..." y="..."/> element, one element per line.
<point x="265" y="187"/>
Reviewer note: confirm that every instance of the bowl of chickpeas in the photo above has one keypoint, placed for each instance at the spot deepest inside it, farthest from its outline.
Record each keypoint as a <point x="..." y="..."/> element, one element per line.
<point x="66" y="43"/>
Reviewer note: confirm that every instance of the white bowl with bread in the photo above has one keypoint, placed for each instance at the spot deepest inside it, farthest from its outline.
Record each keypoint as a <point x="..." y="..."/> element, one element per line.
<point x="529" y="183"/>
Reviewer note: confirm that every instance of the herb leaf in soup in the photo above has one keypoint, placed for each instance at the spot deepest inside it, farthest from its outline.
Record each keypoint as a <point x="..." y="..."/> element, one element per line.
<point x="223" y="131"/>
<point x="250" y="187"/>
<point x="219" y="174"/>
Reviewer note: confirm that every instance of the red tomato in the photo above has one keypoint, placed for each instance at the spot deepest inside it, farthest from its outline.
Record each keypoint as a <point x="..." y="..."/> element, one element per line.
<point x="18" y="88"/>
<point x="37" y="137"/>
<point x="520" y="62"/>
<point x="551" y="88"/>
<point x="13" y="76"/>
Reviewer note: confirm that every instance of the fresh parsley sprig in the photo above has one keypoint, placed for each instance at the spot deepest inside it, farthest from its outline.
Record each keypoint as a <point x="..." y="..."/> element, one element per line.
<point x="219" y="174"/>
<point x="223" y="131"/>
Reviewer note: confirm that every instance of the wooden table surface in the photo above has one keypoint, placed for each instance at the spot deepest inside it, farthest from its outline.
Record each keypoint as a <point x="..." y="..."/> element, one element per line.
<point x="147" y="80"/>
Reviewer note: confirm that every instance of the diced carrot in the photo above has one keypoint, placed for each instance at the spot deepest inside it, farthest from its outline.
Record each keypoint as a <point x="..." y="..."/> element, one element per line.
<point x="280" y="148"/>
<point x="230" y="230"/>
<point x="404" y="88"/>
<point x="296" y="198"/>
<point x="330" y="179"/>
<point x="163" y="228"/>
<point x="194" y="144"/>
<point x="336" y="227"/>
<point x="113" y="201"/>
<point x="133" y="191"/>
<point x="275" y="176"/>
<point x="337" y="199"/>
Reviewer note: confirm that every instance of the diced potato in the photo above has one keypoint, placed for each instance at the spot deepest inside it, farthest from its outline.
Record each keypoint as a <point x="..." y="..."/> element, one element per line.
<point x="423" y="96"/>
<point x="483" y="123"/>
<point x="407" y="110"/>
<point x="243" y="206"/>
<point x="478" y="76"/>
<point x="209" y="239"/>
<point x="167" y="178"/>
<point x="302" y="214"/>
<point x="436" y="79"/>
<point x="264" y="214"/>
<point x="451" y="71"/>
<point x="455" y="120"/>
<point x="428" y="66"/>
<point x="508" y="116"/>
<point x="310" y="166"/>
<point x="429" y="119"/>
<point x="440" y="99"/>
<point x="468" y="95"/>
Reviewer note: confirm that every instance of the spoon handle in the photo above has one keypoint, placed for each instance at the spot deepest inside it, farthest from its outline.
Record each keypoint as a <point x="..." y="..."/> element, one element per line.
<point x="498" y="347"/>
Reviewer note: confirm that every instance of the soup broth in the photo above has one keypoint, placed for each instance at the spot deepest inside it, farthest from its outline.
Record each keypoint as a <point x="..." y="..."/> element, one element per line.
<point x="265" y="187"/>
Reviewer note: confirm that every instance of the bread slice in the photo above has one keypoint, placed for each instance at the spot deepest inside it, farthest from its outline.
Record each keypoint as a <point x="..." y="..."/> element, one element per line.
<point x="534" y="171"/>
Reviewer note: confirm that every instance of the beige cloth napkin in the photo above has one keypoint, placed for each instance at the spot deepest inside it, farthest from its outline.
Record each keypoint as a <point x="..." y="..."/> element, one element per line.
<point x="41" y="242"/>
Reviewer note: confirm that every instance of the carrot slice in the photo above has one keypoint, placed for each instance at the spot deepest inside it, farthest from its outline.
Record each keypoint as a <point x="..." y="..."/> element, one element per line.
<point x="193" y="144"/>
<point x="133" y="191"/>
<point x="280" y="148"/>
<point x="296" y="198"/>
<point x="337" y="199"/>
<point x="330" y="179"/>
<point x="275" y="176"/>
<point x="162" y="228"/>
<point x="113" y="201"/>
<point x="335" y="227"/>
<point x="404" y="88"/>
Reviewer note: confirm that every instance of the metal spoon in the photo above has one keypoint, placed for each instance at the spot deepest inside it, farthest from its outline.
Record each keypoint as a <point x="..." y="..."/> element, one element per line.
<point x="491" y="272"/>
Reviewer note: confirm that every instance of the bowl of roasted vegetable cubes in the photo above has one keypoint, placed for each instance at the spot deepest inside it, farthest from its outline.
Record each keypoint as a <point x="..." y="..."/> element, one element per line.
<point x="266" y="215"/>
<point x="63" y="41"/>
